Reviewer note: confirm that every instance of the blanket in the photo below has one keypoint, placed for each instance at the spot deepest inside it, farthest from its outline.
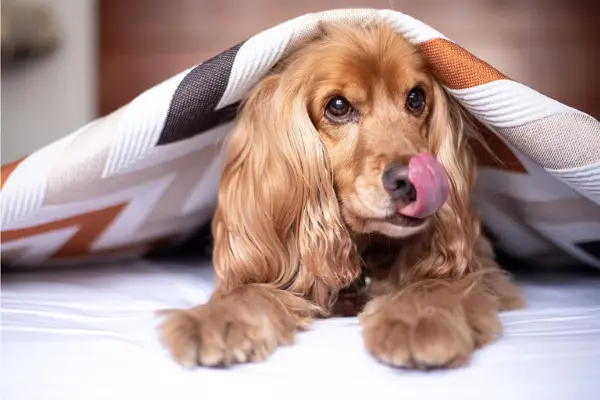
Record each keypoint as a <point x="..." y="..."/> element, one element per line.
<point x="146" y="175"/>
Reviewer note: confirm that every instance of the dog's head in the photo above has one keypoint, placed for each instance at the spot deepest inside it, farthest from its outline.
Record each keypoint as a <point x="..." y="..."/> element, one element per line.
<point x="351" y="134"/>
<point x="372" y="99"/>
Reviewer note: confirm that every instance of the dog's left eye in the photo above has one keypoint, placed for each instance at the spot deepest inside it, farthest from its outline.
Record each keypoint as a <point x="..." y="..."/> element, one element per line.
<point x="338" y="109"/>
<point x="415" y="101"/>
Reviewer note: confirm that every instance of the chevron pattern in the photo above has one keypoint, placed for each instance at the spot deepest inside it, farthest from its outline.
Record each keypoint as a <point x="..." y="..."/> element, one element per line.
<point x="148" y="173"/>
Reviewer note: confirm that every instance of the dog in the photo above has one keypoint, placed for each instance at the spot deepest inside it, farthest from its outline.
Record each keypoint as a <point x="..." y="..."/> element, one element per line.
<point x="348" y="159"/>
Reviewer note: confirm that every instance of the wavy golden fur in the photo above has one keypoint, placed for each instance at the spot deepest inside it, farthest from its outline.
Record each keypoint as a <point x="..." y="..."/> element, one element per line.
<point x="301" y="206"/>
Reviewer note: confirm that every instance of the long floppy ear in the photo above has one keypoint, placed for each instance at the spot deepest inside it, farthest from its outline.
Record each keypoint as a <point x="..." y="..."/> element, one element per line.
<point x="455" y="227"/>
<point x="278" y="221"/>
<point x="448" y="135"/>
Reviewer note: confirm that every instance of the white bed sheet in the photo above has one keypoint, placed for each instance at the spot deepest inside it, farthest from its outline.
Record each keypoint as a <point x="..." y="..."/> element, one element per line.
<point x="91" y="335"/>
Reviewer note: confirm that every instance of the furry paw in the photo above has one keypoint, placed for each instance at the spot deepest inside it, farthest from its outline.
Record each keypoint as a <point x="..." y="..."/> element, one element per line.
<point x="220" y="334"/>
<point x="428" y="343"/>
<point x="426" y="334"/>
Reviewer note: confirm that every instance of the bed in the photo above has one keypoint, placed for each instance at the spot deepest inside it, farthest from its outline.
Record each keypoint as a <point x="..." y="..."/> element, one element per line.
<point x="89" y="334"/>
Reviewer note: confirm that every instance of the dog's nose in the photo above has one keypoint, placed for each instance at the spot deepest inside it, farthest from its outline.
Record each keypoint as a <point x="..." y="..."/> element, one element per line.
<point x="395" y="181"/>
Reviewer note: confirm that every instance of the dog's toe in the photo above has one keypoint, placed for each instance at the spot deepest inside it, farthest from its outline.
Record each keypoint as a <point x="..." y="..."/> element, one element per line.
<point x="388" y="342"/>
<point x="202" y="339"/>
<point x="180" y="334"/>
<point x="435" y="343"/>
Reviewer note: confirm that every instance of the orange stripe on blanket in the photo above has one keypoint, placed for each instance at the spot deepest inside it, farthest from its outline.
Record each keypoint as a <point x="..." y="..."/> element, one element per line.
<point x="458" y="68"/>
<point x="114" y="252"/>
<point x="8" y="169"/>
<point x="90" y="226"/>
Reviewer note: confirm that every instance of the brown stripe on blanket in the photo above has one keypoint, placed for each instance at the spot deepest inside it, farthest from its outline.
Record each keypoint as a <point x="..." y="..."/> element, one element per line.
<point x="90" y="226"/>
<point x="8" y="169"/>
<point x="141" y="247"/>
<point x="83" y="256"/>
<point x="458" y="68"/>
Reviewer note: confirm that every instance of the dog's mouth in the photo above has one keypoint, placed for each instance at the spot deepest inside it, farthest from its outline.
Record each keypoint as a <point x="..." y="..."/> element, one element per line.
<point x="404" y="220"/>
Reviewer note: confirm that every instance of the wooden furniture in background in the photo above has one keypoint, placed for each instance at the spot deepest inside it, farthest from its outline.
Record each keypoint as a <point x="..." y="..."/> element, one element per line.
<point x="551" y="45"/>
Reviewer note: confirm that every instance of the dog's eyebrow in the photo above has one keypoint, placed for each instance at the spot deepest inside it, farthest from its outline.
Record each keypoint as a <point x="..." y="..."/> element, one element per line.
<point x="420" y="60"/>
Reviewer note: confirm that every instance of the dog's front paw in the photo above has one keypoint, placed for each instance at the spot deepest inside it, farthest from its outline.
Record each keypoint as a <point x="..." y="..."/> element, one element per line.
<point x="428" y="342"/>
<point x="398" y="333"/>
<point x="215" y="336"/>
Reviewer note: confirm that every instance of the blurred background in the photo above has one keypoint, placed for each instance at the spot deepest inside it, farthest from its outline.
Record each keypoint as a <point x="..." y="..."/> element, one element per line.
<point x="66" y="62"/>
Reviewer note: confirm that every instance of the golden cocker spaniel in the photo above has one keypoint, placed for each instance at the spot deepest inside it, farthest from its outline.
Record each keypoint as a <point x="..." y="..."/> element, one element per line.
<point x="349" y="159"/>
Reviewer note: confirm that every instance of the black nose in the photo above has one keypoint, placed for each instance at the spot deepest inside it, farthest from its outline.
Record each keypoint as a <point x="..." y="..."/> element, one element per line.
<point x="395" y="181"/>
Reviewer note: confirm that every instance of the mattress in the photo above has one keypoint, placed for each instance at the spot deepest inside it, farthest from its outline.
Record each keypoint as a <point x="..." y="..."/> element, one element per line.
<point x="90" y="334"/>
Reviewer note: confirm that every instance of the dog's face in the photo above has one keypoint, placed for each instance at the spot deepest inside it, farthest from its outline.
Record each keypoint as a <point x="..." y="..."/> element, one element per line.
<point x="371" y="97"/>
<point x="342" y="138"/>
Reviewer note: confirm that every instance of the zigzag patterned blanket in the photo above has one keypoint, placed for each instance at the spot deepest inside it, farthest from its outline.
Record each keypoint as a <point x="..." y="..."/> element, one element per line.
<point x="147" y="174"/>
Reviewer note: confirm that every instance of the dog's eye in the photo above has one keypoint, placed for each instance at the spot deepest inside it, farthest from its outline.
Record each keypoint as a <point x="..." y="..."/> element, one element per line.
<point x="415" y="102"/>
<point x="338" y="109"/>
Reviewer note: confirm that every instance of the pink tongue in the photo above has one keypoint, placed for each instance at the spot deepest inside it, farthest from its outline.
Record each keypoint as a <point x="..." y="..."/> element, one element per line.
<point x="431" y="184"/>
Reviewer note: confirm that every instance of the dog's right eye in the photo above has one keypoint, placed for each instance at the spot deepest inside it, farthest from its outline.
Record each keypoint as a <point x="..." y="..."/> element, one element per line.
<point x="338" y="109"/>
<point x="415" y="102"/>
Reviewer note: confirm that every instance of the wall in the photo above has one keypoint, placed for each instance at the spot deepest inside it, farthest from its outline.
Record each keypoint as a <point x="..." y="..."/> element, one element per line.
<point x="48" y="98"/>
<point x="549" y="45"/>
